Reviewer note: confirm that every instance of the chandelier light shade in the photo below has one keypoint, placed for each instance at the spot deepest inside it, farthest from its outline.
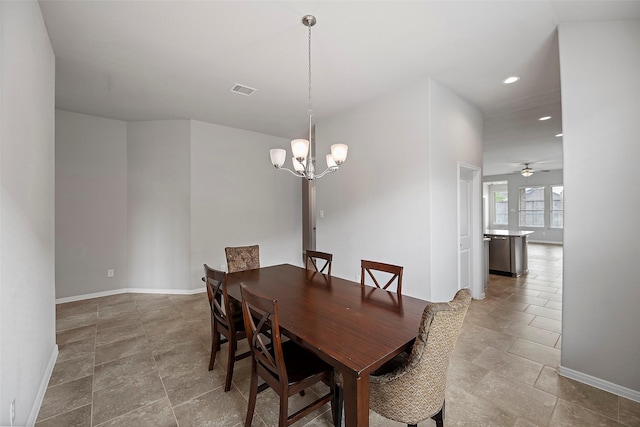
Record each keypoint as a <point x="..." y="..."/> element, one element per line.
<point x="303" y="164"/>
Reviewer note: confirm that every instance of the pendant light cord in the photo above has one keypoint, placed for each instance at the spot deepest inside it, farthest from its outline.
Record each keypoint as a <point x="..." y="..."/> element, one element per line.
<point x="310" y="110"/>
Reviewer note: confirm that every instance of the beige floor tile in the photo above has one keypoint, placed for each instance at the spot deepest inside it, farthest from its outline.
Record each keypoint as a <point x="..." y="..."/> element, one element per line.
<point x="125" y="319"/>
<point x="116" y="310"/>
<point x="112" y="402"/>
<point x="537" y="352"/>
<point x="76" y="308"/>
<point x="155" y="414"/>
<point x="544" y="312"/>
<point x="76" y="349"/>
<point x="80" y="417"/>
<point x="111" y="335"/>
<point x="123" y="348"/>
<point x="185" y="385"/>
<point x="70" y="322"/>
<point x="76" y="334"/>
<point x="596" y="400"/>
<point x="552" y="297"/>
<point x="551" y="325"/>
<point x="123" y="371"/>
<point x="465" y="409"/>
<point x="533" y="334"/>
<point x="526" y="299"/>
<point x="65" y="397"/>
<point x="205" y="410"/>
<point x="509" y="365"/>
<point x="629" y="412"/>
<point x="516" y="397"/>
<point x="463" y="374"/>
<point x="72" y="369"/>
<point x="567" y="414"/>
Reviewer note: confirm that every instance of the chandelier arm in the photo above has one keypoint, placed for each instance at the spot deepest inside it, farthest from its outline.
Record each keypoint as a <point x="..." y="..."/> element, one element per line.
<point x="298" y="174"/>
<point x="326" y="171"/>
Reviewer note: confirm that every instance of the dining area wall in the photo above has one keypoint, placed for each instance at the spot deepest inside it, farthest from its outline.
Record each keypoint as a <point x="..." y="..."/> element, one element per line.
<point x="153" y="201"/>
<point x="396" y="197"/>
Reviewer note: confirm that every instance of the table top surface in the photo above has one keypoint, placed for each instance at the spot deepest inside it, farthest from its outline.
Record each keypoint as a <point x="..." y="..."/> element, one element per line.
<point x="349" y="326"/>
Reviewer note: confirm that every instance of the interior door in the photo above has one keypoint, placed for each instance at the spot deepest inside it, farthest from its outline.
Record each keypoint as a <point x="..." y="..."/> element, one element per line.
<point x="465" y="256"/>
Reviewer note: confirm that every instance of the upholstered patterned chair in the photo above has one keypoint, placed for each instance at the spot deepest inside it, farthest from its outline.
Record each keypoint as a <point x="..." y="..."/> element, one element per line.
<point x="411" y="388"/>
<point x="242" y="258"/>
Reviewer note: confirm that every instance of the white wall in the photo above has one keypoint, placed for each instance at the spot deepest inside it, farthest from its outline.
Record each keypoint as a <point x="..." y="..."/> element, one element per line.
<point x="455" y="136"/>
<point x="158" y="204"/>
<point x="515" y="181"/>
<point x="600" y="75"/>
<point x="380" y="205"/>
<point x="91" y="204"/>
<point x="238" y="198"/>
<point x="27" y="311"/>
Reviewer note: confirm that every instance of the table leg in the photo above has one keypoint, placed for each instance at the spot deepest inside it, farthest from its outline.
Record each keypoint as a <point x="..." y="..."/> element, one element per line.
<point x="356" y="399"/>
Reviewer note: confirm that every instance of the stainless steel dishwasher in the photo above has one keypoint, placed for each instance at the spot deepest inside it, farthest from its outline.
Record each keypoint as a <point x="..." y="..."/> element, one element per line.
<point x="500" y="253"/>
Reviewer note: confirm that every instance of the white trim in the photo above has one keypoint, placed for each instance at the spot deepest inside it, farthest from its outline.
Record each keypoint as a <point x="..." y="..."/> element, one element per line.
<point x="131" y="291"/>
<point x="600" y="383"/>
<point x="547" y="242"/>
<point x="35" y="409"/>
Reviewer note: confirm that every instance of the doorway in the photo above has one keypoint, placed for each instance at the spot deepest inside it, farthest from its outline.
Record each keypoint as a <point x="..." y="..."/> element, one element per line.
<point x="470" y="274"/>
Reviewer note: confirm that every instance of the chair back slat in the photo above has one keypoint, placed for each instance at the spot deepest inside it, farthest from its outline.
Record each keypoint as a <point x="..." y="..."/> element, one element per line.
<point x="313" y="260"/>
<point x="368" y="267"/>
<point x="216" y="282"/>
<point x="263" y="332"/>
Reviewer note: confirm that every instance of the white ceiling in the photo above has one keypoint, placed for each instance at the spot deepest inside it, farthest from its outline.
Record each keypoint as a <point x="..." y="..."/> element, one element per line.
<point x="153" y="60"/>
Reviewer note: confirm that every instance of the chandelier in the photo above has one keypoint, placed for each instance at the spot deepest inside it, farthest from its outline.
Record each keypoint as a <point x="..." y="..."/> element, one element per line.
<point x="303" y="164"/>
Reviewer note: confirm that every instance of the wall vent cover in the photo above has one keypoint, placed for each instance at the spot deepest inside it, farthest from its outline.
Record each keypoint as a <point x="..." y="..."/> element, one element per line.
<point x="242" y="89"/>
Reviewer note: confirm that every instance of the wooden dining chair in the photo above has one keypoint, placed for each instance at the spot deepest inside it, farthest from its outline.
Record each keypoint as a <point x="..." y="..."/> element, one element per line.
<point x="284" y="366"/>
<point x="226" y="319"/>
<point x="313" y="260"/>
<point x="242" y="258"/>
<point x="394" y="270"/>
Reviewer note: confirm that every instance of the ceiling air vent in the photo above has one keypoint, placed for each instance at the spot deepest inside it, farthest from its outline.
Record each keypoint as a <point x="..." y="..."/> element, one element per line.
<point x="242" y="90"/>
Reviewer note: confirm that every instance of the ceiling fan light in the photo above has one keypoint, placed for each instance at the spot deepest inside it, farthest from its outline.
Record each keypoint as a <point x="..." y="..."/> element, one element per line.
<point x="526" y="172"/>
<point x="510" y="79"/>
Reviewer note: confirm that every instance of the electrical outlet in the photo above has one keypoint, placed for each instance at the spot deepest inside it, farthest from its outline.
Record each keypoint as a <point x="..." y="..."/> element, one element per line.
<point x="223" y="267"/>
<point x="110" y="272"/>
<point x="12" y="410"/>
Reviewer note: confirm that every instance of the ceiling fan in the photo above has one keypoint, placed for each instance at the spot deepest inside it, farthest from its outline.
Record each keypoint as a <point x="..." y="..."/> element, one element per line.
<point x="527" y="171"/>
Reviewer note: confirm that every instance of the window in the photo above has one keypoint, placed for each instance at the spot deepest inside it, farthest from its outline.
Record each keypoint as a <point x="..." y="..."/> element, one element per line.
<point x="557" y="206"/>
<point x="532" y="206"/>
<point x="499" y="206"/>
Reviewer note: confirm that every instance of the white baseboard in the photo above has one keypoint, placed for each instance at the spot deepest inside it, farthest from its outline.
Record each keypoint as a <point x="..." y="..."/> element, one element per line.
<point x="35" y="409"/>
<point x="547" y="242"/>
<point x="600" y="383"/>
<point x="131" y="291"/>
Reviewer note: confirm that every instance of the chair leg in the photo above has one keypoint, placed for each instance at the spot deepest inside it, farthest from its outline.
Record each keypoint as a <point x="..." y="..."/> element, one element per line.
<point x="215" y="344"/>
<point x="338" y="403"/>
<point x="439" y="417"/>
<point x="230" y="362"/>
<point x="253" y="393"/>
<point x="284" y="409"/>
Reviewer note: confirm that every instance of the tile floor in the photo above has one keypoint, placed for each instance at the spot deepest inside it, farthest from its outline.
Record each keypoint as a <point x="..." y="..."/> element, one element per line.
<point x="141" y="360"/>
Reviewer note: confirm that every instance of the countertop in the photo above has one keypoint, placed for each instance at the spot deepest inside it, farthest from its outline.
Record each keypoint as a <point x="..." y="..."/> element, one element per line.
<point x="510" y="233"/>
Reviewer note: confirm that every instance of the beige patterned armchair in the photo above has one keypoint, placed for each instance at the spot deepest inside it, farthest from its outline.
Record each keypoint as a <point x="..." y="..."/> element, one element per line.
<point x="411" y="387"/>
<point x="414" y="391"/>
<point x="242" y="258"/>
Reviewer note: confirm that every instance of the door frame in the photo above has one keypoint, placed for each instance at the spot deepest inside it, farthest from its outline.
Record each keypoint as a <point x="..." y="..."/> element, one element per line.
<point x="472" y="174"/>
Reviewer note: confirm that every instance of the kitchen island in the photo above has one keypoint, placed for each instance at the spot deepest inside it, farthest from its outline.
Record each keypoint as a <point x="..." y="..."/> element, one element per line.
<point x="508" y="252"/>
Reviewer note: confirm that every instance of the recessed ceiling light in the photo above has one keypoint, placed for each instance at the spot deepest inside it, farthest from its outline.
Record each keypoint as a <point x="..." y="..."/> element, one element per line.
<point x="544" y="118"/>
<point x="559" y="134"/>
<point x="510" y="79"/>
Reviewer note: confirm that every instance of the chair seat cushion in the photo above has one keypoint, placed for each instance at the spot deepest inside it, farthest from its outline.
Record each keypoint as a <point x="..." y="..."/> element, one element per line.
<point x="301" y="363"/>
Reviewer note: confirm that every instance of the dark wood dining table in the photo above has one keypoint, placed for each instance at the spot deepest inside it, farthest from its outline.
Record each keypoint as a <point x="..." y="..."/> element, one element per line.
<point x="355" y="329"/>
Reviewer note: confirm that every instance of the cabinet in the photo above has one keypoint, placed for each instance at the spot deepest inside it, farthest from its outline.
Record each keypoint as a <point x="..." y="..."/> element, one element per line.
<point x="508" y="252"/>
